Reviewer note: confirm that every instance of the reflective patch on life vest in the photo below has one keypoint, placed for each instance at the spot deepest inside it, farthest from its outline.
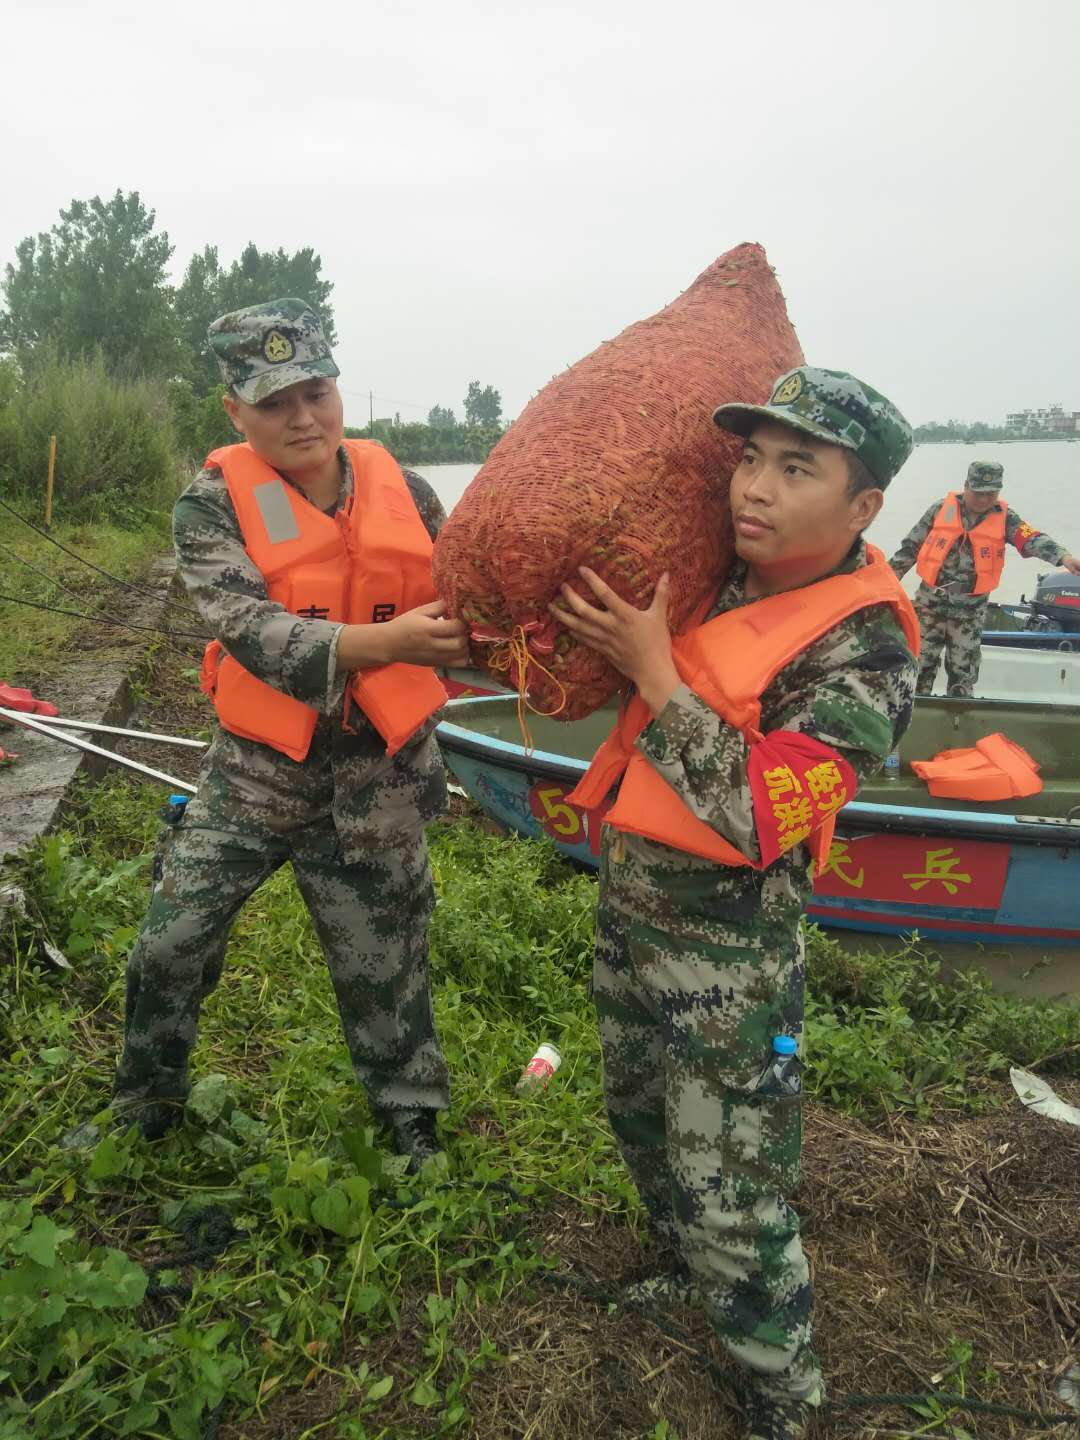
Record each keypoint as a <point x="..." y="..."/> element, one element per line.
<point x="275" y="512"/>
<point x="797" y="783"/>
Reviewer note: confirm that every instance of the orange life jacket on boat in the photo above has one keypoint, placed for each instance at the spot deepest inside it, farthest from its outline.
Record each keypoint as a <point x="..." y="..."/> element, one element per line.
<point x="366" y="564"/>
<point x="730" y="661"/>
<point x="987" y="540"/>
<point x="995" y="768"/>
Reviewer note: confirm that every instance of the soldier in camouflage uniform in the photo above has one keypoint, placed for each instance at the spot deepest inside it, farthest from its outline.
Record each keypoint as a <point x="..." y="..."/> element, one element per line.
<point x="699" y="965"/>
<point x="349" y="818"/>
<point x="950" y="616"/>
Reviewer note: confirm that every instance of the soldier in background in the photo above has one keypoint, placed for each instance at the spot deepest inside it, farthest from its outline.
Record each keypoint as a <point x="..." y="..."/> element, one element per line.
<point x="308" y="558"/>
<point x="742" y="741"/>
<point x="958" y="550"/>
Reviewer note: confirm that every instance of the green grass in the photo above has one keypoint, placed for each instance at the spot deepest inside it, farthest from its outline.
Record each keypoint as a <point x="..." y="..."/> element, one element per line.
<point x="333" y="1248"/>
<point x="883" y="1029"/>
<point x="33" y="642"/>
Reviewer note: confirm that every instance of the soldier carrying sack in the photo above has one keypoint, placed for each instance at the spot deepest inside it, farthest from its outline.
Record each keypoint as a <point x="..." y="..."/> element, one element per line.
<point x="740" y="742"/>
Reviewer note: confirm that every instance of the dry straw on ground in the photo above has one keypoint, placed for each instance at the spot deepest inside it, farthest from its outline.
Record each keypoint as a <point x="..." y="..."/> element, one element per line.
<point x="919" y="1234"/>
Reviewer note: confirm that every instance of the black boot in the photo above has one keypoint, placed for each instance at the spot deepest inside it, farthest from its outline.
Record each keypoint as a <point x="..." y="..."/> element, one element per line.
<point x="413" y="1134"/>
<point x="155" y="1117"/>
<point x="772" y="1416"/>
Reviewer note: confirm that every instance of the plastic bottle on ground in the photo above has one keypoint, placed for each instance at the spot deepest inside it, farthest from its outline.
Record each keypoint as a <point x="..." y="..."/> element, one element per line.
<point x="545" y="1061"/>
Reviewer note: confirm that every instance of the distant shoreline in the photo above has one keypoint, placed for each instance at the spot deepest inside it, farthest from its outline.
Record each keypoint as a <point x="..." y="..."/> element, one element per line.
<point x="1011" y="440"/>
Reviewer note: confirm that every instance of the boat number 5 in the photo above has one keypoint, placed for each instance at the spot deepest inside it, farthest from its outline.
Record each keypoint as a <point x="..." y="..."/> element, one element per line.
<point x="556" y="817"/>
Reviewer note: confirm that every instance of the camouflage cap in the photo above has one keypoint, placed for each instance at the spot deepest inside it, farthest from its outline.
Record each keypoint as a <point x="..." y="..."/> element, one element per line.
<point x="266" y="347"/>
<point x="832" y="405"/>
<point x="985" y="475"/>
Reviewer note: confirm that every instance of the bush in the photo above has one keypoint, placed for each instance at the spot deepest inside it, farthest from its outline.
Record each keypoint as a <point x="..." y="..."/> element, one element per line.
<point x="514" y="923"/>
<point x="199" y="421"/>
<point x="885" y="1028"/>
<point x="115" y="457"/>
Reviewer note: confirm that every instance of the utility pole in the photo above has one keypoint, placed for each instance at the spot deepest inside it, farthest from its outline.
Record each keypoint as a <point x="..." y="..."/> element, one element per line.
<point x="370" y="414"/>
<point x="49" y="481"/>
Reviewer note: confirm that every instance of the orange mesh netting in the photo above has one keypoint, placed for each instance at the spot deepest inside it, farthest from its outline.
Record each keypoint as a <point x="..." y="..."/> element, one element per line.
<point x="616" y="464"/>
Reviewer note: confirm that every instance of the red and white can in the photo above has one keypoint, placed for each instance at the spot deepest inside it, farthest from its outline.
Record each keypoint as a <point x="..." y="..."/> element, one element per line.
<point x="545" y="1061"/>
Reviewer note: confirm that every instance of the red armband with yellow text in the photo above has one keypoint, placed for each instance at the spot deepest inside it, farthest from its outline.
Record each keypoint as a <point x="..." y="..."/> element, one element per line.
<point x="797" y="783"/>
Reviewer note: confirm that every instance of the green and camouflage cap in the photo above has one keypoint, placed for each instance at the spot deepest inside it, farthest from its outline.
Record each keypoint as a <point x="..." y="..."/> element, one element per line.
<point x="985" y="475"/>
<point x="831" y="405"/>
<point x="266" y="347"/>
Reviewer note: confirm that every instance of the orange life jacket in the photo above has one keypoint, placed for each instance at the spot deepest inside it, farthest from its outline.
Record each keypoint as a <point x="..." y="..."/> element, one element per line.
<point x="729" y="661"/>
<point x="366" y="564"/>
<point x="995" y="768"/>
<point x="987" y="541"/>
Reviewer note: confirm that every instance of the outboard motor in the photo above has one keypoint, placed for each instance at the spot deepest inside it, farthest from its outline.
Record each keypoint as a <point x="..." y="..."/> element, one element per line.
<point x="1056" y="603"/>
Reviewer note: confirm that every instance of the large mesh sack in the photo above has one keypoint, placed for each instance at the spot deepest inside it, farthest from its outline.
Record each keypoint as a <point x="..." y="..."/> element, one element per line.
<point x="615" y="464"/>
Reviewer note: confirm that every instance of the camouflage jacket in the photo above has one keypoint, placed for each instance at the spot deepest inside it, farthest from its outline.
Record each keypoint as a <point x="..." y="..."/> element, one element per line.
<point x="374" y="802"/>
<point x="957" y="575"/>
<point x="852" y="689"/>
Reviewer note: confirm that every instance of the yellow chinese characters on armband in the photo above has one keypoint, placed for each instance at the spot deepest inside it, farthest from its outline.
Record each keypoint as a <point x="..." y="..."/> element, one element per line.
<point x="797" y="785"/>
<point x="827" y="788"/>
<point x="781" y="780"/>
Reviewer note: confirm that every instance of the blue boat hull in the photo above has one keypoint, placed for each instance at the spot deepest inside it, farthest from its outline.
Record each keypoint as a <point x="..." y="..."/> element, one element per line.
<point x="949" y="875"/>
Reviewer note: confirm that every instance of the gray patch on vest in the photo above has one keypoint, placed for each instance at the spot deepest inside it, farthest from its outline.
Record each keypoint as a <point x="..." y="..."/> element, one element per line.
<point x="277" y="514"/>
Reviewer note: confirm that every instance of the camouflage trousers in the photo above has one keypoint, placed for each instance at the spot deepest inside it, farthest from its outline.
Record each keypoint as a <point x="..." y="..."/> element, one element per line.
<point x="371" y="920"/>
<point x="958" y="631"/>
<point x="687" y="1014"/>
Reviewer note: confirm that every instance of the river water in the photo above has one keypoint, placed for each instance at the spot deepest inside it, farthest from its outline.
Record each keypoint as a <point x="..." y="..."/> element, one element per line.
<point x="1042" y="484"/>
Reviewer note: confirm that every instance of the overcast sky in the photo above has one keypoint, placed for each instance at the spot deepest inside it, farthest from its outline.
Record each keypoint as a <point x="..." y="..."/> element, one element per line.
<point x="496" y="187"/>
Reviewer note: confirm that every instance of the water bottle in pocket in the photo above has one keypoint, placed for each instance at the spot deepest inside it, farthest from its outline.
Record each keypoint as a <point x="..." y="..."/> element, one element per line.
<point x="171" y="814"/>
<point x="782" y="1074"/>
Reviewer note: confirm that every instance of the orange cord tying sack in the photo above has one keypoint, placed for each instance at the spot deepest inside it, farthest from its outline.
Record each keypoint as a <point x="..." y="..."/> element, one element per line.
<point x="512" y="656"/>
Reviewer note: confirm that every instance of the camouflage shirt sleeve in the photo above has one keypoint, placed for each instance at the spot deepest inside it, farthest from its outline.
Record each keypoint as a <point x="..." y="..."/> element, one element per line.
<point x="912" y="542"/>
<point x="427" y="503"/>
<point x="1031" y="543"/>
<point x="297" y="657"/>
<point x="853" y="690"/>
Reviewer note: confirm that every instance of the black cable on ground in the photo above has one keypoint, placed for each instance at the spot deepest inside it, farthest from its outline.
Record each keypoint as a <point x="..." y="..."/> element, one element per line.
<point x="944" y="1398"/>
<point x="44" y="574"/>
<point x="502" y="1187"/>
<point x="127" y="584"/>
<point x="208" y="1233"/>
<point x="213" y="1421"/>
<point x="103" y="620"/>
<point x="70" y="590"/>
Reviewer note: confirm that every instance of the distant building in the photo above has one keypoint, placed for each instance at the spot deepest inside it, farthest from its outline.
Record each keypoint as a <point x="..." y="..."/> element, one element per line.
<point x="1050" y="420"/>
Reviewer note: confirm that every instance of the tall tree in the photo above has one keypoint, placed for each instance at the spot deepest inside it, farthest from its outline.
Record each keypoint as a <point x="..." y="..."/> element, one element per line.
<point x="440" y="418"/>
<point x="208" y="290"/>
<point x="482" y="407"/>
<point x="96" y="281"/>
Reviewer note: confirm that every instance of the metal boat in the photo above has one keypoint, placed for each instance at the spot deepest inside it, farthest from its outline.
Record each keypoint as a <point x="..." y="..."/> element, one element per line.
<point x="902" y="862"/>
